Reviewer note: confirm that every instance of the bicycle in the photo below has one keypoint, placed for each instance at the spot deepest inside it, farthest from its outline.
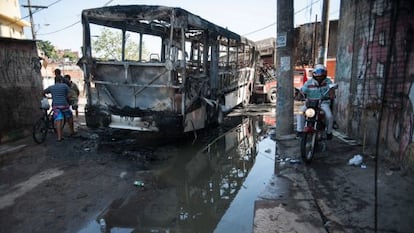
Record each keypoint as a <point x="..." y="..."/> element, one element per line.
<point x="45" y="123"/>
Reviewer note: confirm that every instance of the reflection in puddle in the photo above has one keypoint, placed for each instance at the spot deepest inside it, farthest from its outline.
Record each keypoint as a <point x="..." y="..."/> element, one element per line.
<point x="209" y="188"/>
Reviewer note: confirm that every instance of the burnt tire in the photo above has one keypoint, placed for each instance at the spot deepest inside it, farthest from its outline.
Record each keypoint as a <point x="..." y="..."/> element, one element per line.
<point x="92" y="118"/>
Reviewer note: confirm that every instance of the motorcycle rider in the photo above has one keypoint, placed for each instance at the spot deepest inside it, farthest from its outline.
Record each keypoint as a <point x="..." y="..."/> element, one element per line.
<point x="314" y="88"/>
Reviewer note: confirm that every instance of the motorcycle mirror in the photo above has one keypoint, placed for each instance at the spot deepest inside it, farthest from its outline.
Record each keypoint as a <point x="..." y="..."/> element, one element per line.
<point x="333" y="86"/>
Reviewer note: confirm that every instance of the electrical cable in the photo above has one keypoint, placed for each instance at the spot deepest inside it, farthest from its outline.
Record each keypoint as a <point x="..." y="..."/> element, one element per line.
<point x="69" y="26"/>
<point x="274" y="23"/>
<point x="260" y="29"/>
<point x="34" y="12"/>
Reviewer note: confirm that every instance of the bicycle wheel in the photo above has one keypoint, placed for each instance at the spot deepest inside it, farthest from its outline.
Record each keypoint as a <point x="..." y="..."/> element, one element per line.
<point x="40" y="131"/>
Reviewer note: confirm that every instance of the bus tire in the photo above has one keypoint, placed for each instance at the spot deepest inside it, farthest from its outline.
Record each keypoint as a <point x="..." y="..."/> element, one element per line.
<point x="271" y="95"/>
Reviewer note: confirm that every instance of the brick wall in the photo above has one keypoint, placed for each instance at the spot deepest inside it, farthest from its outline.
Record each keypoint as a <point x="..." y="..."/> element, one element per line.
<point x="375" y="73"/>
<point x="306" y="43"/>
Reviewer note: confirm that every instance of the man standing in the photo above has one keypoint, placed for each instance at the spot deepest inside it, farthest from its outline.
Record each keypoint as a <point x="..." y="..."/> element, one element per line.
<point x="60" y="105"/>
<point x="58" y="75"/>
<point x="74" y="94"/>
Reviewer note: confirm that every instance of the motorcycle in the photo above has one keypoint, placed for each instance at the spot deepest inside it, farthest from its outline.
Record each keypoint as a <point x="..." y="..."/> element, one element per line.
<point x="314" y="131"/>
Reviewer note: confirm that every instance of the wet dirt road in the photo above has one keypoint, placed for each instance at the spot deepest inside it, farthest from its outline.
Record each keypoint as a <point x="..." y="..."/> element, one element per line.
<point x="207" y="184"/>
<point x="86" y="183"/>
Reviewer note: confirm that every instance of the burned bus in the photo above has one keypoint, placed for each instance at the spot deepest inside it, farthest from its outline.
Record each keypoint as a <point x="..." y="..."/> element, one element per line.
<point x="175" y="71"/>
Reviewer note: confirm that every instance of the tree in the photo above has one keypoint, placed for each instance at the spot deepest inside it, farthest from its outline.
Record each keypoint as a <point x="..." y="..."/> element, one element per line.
<point x="47" y="48"/>
<point x="108" y="46"/>
<point x="71" y="56"/>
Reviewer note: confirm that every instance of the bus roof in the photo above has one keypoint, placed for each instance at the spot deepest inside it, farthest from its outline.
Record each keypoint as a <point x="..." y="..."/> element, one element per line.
<point x="154" y="20"/>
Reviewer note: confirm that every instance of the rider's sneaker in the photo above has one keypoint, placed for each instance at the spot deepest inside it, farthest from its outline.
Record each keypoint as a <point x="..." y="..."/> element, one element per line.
<point x="299" y="135"/>
<point x="329" y="136"/>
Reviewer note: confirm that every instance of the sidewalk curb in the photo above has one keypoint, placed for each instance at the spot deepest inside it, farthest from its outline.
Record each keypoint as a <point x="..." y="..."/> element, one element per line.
<point x="293" y="211"/>
<point x="287" y="204"/>
<point x="12" y="146"/>
<point x="5" y="149"/>
<point x="14" y="135"/>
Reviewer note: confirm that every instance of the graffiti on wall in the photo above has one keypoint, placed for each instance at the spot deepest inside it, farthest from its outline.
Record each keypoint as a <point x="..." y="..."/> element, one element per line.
<point x="384" y="74"/>
<point x="20" y="86"/>
<point x="18" y="67"/>
<point x="375" y="70"/>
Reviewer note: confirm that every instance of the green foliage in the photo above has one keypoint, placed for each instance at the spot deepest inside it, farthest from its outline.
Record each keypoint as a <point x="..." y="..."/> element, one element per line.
<point x="108" y="46"/>
<point x="47" y="48"/>
<point x="71" y="56"/>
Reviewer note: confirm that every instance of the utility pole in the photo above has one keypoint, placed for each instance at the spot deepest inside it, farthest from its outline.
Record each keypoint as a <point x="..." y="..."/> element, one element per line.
<point x="323" y="48"/>
<point x="32" y="25"/>
<point x="284" y="68"/>
<point x="314" y="42"/>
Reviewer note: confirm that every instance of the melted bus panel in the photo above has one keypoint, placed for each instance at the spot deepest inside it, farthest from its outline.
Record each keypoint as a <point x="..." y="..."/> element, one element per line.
<point x="175" y="72"/>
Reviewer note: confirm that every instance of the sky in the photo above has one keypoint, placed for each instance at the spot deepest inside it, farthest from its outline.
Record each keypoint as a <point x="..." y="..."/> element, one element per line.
<point x="60" y="22"/>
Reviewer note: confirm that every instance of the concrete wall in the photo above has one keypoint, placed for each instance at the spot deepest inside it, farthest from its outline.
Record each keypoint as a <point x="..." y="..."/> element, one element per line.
<point x="375" y="73"/>
<point x="9" y="26"/>
<point x="306" y="43"/>
<point x="20" y="87"/>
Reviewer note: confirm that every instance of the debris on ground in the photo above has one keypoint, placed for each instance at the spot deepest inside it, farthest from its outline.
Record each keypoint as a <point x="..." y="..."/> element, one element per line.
<point x="356" y="160"/>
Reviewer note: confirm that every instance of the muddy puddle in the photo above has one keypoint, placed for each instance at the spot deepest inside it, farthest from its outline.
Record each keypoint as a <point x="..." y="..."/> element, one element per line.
<point x="204" y="185"/>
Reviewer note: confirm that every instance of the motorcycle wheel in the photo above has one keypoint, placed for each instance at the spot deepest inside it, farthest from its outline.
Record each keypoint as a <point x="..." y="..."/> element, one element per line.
<point x="308" y="147"/>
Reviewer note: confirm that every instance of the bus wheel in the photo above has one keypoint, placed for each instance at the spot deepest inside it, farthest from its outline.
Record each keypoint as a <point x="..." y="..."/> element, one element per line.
<point x="92" y="117"/>
<point x="271" y="95"/>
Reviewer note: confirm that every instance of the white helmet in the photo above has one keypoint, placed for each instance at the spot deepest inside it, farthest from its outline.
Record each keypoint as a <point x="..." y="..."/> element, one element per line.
<point x="319" y="70"/>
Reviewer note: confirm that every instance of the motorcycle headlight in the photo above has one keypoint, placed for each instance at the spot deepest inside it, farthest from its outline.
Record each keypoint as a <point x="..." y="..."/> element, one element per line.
<point x="310" y="112"/>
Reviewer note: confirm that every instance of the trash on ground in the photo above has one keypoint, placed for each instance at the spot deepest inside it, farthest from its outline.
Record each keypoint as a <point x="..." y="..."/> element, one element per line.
<point x="283" y="161"/>
<point x="294" y="161"/>
<point x="363" y="166"/>
<point x="356" y="160"/>
<point x="102" y="223"/>
<point x="122" y="175"/>
<point x="139" y="183"/>
<point x="389" y="173"/>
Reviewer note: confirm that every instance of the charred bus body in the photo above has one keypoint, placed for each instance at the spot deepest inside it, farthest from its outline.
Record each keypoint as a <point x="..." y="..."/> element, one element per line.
<point x="198" y="72"/>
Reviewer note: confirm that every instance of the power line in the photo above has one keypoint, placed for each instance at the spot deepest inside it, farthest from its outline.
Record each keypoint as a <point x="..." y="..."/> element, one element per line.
<point x="306" y="7"/>
<point x="38" y="10"/>
<point x="62" y="29"/>
<point x="34" y="12"/>
<point x="260" y="29"/>
<point x="274" y="23"/>
<point x="71" y="25"/>
<point x="32" y="25"/>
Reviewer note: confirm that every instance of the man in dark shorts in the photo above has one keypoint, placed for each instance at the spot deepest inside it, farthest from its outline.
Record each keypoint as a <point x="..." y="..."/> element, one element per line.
<point x="60" y="105"/>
